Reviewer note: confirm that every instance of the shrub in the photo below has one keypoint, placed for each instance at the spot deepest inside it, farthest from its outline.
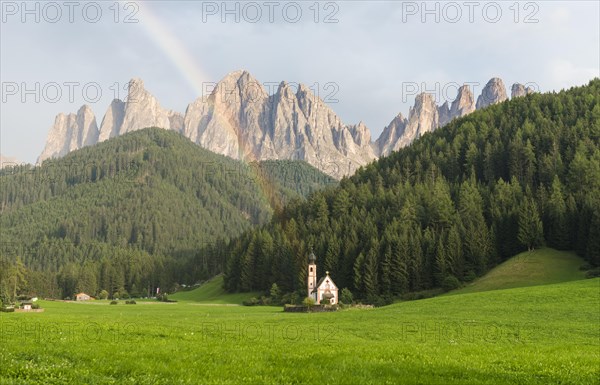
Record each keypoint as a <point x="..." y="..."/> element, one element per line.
<point x="7" y="309"/>
<point x="325" y="302"/>
<point x="275" y="292"/>
<point x="250" y="302"/>
<point x="265" y="301"/>
<point x="470" y="276"/>
<point x="308" y="302"/>
<point x="346" y="296"/>
<point x="113" y="302"/>
<point x="35" y="306"/>
<point x="585" y="266"/>
<point x="103" y="294"/>
<point x="450" y="283"/>
<point x="593" y="273"/>
<point x="131" y="302"/>
<point x="378" y="300"/>
<point x="290" y="298"/>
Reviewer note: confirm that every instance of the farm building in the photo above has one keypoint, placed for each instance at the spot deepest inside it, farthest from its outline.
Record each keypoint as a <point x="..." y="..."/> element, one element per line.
<point x="325" y="288"/>
<point x="26" y="306"/>
<point x="82" y="297"/>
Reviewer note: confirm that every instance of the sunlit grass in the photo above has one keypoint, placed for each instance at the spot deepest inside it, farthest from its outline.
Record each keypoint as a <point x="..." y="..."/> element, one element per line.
<point x="536" y="335"/>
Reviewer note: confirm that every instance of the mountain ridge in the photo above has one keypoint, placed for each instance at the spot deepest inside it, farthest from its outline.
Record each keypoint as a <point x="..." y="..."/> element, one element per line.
<point x="241" y="120"/>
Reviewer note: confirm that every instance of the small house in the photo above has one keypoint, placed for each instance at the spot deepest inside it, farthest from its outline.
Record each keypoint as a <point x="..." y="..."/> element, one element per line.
<point x="26" y="306"/>
<point x="82" y="297"/>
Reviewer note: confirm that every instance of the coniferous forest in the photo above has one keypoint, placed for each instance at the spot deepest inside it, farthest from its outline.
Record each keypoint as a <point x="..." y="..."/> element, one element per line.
<point x="133" y="214"/>
<point x="458" y="201"/>
<point x="150" y="209"/>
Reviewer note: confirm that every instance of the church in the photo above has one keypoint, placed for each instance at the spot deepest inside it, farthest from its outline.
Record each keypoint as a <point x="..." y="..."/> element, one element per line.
<point x="325" y="288"/>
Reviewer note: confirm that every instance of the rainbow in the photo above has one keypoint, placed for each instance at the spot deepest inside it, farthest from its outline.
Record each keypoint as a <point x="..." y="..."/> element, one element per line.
<point x="175" y="50"/>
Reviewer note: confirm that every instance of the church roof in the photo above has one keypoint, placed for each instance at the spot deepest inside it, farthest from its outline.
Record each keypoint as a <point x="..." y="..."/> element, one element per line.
<point x="321" y="281"/>
<point x="312" y="257"/>
<point x="319" y="284"/>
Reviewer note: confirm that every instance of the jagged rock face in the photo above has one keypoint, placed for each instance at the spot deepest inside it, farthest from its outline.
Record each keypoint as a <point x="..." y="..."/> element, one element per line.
<point x="228" y="122"/>
<point x="464" y="103"/>
<point x="391" y="135"/>
<point x="142" y="110"/>
<point x="518" y="90"/>
<point x="422" y="118"/>
<point x="494" y="92"/>
<point x="425" y="116"/>
<point x="444" y="114"/>
<point x="112" y="121"/>
<point x="176" y="121"/>
<point x="239" y="119"/>
<point x="71" y="132"/>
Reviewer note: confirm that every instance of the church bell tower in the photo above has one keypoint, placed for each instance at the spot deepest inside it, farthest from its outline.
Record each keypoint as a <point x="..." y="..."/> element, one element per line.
<point x="312" y="274"/>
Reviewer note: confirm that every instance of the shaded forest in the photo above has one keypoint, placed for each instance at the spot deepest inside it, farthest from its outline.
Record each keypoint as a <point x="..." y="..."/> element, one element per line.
<point x="135" y="213"/>
<point x="458" y="201"/>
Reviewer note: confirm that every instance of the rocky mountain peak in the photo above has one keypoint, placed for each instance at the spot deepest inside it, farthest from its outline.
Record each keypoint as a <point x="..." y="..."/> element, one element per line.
<point x="70" y="132"/>
<point x="518" y="90"/>
<point x="494" y="92"/>
<point x="464" y="103"/>
<point x="391" y="135"/>
<point x="142" y="109"/>
<point x="112" y="121"/>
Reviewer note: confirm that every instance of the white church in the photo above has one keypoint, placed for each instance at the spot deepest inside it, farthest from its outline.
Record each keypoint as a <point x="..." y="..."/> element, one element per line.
<point x="325" y="288"/>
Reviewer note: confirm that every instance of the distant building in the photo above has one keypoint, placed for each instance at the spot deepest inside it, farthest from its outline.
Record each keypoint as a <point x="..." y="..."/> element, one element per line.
<point x="26" y="306"/>
<point x="82" y="297"/>
<point x="325" y="288"/>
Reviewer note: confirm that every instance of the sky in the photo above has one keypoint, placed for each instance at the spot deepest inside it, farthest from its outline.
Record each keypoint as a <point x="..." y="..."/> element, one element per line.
<point x="366" y="59"/>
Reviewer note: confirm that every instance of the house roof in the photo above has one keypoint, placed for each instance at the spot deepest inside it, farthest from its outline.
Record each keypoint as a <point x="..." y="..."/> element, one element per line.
<point x="77" y="295"/>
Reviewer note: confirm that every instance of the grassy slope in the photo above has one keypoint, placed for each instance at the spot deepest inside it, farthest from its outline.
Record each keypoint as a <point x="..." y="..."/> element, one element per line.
<point x="539" y="267"/>
<point x="536" y="335"/>
<point x="212" y="292"/>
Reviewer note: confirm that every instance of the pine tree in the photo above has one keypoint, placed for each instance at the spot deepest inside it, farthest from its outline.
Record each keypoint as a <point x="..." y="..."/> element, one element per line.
<point x="530" y="225"/>
<point x="557" y="231"/>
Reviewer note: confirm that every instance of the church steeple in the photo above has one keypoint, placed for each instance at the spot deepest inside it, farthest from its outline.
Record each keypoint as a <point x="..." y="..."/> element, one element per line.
<point x="312" y="274"/>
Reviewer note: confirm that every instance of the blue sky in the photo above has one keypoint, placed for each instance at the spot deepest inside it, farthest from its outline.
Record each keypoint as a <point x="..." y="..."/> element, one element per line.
<point x="367" y="58"/>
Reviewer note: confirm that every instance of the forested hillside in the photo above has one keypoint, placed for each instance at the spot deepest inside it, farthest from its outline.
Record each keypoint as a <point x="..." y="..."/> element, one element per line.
<point x="134" y="213"/>
<point x="449" y="207"/>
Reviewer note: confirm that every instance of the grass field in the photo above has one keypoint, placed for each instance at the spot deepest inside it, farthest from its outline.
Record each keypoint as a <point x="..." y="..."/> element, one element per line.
<point x="213" y="292"/>
<point x="539" y="267"/>
<point x="535" y="335"/>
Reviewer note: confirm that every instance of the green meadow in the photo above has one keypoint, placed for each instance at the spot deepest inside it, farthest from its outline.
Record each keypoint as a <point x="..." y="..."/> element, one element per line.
<point x="213" y="292"/>
<point x="529" y="268"/>
<point x="547" y="334"/>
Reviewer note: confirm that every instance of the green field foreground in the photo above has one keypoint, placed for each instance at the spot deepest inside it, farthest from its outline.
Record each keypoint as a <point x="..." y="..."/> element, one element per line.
<point x="536" y="335"/>
<point x="530" y="268"/>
